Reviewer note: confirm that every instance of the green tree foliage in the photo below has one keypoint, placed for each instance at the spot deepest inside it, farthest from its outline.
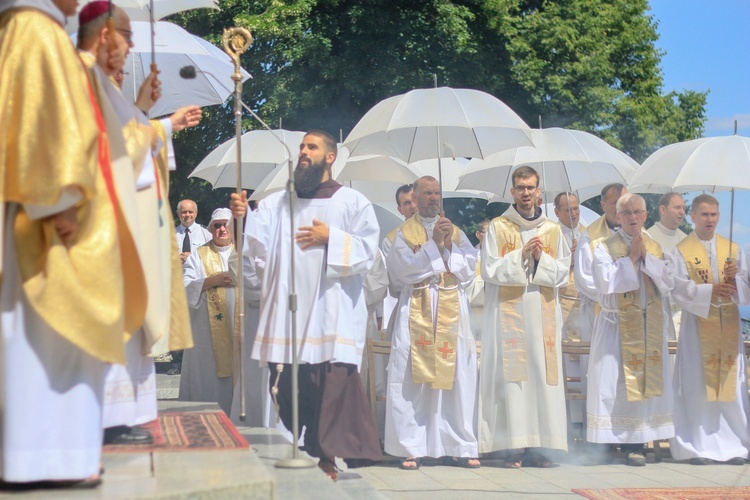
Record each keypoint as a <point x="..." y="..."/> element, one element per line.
<point x="585" y="64"/>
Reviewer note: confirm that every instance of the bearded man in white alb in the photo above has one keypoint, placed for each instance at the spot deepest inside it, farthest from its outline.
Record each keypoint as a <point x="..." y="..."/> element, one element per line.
<point x="629" y="398"/>
<point x="710" y="380"/>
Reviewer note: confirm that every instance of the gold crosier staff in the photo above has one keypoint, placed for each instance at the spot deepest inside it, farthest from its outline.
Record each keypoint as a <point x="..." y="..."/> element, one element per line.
<point x="236" y="41"/>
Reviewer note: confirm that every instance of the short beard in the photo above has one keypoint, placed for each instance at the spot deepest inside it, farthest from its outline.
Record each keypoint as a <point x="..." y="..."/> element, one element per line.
<point x="308" y="179"/>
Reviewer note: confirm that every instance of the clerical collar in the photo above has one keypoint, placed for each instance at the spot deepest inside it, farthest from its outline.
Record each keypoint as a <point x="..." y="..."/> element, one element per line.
<point x="324" y="190"/>
<point x="427" y="221"/>
<point x="625" y="236"/>
<point x="613" y="227"/>
<point x="537" y="213"/>
<point x="224" y="249"/>
<point x="664" y="229"/>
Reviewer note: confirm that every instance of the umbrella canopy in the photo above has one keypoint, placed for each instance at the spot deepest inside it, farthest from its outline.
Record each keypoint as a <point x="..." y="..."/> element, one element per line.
<point x="262" y="154"/>
<point x="140" y="10"/>
<point x="435" y="123"/>
<point x="708" y="164"/>
<point x="176" y="48"/>
<point x="567" y="160"/>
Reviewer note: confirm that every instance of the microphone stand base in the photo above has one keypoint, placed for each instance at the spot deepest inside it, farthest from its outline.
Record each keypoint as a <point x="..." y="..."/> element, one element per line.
<point x="294" y="463"/>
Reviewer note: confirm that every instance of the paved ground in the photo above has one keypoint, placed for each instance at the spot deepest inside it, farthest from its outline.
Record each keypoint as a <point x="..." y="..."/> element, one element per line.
<point x="434" y="481"/>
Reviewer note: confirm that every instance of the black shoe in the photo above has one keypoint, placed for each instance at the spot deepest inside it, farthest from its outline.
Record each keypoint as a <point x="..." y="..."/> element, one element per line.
<point x="175" y="370"/>
<point x="356" y="463"/>
<point x="127" y="435"/>
<point x="736" y="461"/>
<point x="699" y="461"/>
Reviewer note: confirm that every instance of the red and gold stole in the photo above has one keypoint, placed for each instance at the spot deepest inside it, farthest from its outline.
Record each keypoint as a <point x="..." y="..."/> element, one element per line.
<point x="719" y="333"/>
<point x="433" y="343"/>
<point x="513" y="334"/>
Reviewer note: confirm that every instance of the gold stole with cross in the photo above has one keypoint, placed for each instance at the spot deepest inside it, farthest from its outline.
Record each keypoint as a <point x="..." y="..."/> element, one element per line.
<point x="218" y="311"/>
<point x="571" y="306"/>
<point x="433" y="346"/>
<point x="719" y="333"/>
<point x="641" y="345"/>
<point x="510" y="300"/>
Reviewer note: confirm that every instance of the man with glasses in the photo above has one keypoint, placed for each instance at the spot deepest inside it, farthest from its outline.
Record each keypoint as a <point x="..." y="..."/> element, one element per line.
<point x="525" y="261"/>
<point x="711" y="399"/>
<point x="210" y="287"/>
<point x="629" y="398"/>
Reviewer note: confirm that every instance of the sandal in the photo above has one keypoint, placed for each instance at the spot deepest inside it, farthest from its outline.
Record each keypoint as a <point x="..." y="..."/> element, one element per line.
<point x="329" y="467"/>
<point x="514" y="462"/>
<point x="416" y="460"/>
<point x="464" y="462"/>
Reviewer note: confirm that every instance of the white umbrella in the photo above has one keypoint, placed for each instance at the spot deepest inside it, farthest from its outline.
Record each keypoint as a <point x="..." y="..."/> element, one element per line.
<point x="176" y="48"/>
<point x="567" y="160"/>
<point x="436" y="123"/>
<point x="262" y="154"/>
<point x="140" y="10"/>
<point x="709" y="164"/>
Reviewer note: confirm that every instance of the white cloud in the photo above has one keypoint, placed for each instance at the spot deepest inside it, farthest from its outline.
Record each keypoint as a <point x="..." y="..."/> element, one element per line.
<point x="724" y="125"/>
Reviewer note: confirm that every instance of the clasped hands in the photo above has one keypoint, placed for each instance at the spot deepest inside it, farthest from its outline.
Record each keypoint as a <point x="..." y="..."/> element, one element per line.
<point x="442" y="234"/>
<point x="218" y="280"/>
<point x="637" y="248"/>
<point x="533" y="248"/>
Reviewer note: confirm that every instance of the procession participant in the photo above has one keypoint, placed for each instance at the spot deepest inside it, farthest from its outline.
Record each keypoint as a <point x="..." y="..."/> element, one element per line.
<point x="407" y="207"/>
<point x="130" y="390"/>
<point x="207" y="368"/>
<point x="525" y="261"/>
<point x="710" y="380"/>
<point x="668" y="234"/>
<point x="601" y="228"/>
<point x="629" y="395"/>
<point x="62" y="290"/>
<point x="190" y="235"/>
<point x="568" y="213"/>
<point x="336" y="238"/>
<point x="475" y="291"/>
<point x="432" y="371"/>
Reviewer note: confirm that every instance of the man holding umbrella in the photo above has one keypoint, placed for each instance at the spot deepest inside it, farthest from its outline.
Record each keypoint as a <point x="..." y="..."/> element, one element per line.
<point x="711" y="403"/>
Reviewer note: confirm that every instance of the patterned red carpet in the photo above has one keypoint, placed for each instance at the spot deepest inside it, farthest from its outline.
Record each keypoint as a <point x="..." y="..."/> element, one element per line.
<point x="718" y="493"/>
<point x="184" y="431"/>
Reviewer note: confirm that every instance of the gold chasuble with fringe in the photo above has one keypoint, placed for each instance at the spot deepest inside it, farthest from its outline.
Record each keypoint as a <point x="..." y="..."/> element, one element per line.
<point x="719" y="333"/>
<point x="179" y="335"/>
<point x="641" y="332"/>
<point x="510" y="301"/>
<point x="218" y="312"/>
<point x="52" y="141"/>
<point x="433" y="342"/>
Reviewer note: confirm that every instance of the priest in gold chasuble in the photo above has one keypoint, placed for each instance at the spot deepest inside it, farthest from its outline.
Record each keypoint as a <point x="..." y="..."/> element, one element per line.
<point x="525" y="262"/>
<point x="207" y="368"/>
<point x="710" y="380"/>
<point x="432" y="372"/>
<point x="62" y="287"/>
<point x="629" y="399"/>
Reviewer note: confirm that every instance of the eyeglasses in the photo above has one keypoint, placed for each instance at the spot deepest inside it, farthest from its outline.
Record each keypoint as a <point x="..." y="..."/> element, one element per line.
<point x="218" y="225"/>
<point x="524" y="189"/>
<point x="127" y="34"/>
<point x="630" y="213"/>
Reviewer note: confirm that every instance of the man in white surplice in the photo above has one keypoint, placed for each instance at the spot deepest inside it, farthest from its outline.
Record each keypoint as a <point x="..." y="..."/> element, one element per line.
<point x="336" y="235"/>
<point x="629" y="399"/>
<point x="710" y="381"/>
<point x="432" y="371"/>
<point x="209" y="284"/>
<point x="525" y="261"/>
<point x="668" y="234"/>
<point x="568" y="212"/>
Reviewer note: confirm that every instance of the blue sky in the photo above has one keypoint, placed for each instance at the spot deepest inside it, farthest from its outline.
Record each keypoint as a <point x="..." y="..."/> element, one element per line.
<point x="706" y="45"/>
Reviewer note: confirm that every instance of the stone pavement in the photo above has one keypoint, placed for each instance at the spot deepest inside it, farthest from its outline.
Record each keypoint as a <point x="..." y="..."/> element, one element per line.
<point x="251" y="474"/>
